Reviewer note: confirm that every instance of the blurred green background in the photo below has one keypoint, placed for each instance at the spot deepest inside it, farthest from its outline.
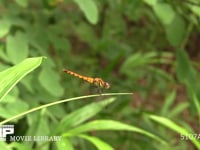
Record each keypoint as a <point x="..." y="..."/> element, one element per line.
<point x="148" y="47"/>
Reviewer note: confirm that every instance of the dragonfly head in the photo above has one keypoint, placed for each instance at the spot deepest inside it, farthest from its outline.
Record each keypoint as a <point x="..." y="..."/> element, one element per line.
<point x="106" y="85"/>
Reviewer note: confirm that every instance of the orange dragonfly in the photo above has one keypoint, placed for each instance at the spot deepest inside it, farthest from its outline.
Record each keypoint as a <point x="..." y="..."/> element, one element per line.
<point x="96" y="81"/>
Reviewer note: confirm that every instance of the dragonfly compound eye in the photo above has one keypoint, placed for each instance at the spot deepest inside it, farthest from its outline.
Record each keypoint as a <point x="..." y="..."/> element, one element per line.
<point x="107" y="85"/>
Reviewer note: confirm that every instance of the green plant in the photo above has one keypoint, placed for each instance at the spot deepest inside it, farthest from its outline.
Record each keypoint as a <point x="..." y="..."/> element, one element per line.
<point x="69" y="126"/>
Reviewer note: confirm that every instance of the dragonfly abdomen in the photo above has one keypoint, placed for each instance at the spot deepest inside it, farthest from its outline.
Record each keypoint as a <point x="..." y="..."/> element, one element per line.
<point x="88" y="79"/>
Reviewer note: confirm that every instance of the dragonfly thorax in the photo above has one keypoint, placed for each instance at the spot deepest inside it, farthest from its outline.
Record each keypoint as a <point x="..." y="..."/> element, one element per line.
<point x="100" y="83"/>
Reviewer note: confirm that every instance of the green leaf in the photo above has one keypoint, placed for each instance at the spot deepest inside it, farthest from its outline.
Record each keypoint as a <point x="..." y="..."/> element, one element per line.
<point x="43" y="127"/>
<point x="77" y="117"/>
<point x="12" y="108"/>
<point x="4" y="27"/>
<point x="183" y="66"/>
<point x="10" y="77"/>
<point x="151" y="2"/>
<point x="49" y="79"/>
<point x="159" y="72"/>
<point x="139" y="60"/>
<point x="27" y="82"/>
<point x="195" y="9"/>
<point x="101" y="145"/>
<point x="173" y="126"/>
<point x="3" y="55"/>
<point x="176" y="31"/>
<point x="90" y="10"/>
<point x="5" y="146"/>
<point x="64" y="144"/>
<point x="17" y="47"/>
<point x="108" y="125"/>
<point x="178" y="109"/>
<point x="197" y="103"/>
<point x="164" y="12"/>
<point x="22" y="3"/>
<point x="168" y="103"/>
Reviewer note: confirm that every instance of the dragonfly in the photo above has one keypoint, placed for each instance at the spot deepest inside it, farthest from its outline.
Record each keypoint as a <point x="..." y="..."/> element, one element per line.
<point x="96" y="81"/>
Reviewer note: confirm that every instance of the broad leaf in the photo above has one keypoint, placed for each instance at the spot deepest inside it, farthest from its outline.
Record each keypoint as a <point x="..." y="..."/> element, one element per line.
<point x="10" y="77"/>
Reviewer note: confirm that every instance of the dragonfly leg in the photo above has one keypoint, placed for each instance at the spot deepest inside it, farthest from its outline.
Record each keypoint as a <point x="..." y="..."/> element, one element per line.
<point x="100" y="90"/>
